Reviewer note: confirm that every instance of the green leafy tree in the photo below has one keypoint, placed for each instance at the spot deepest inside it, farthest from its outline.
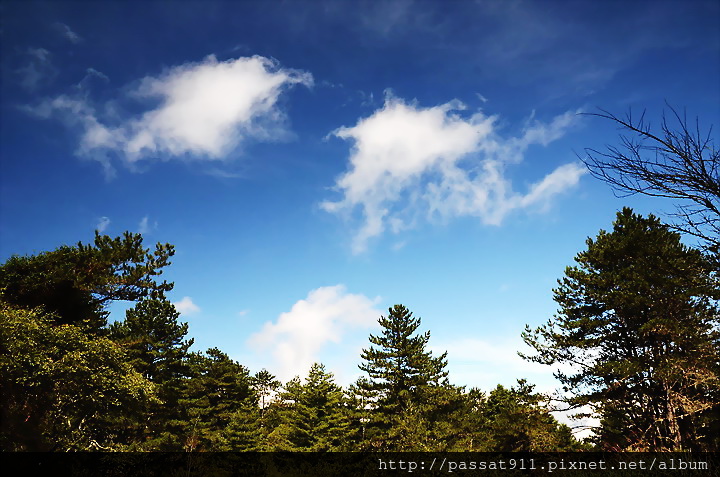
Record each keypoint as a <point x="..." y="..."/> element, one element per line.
<point x="74" y="284"/>
<point x="638" y="324"/>
<point x="401" y="379"/>
<point x="60" y="386"/>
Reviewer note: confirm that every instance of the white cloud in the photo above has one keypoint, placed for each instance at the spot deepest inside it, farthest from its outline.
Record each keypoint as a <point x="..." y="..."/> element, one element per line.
<point x="296" y="338"/>
<point x="67" y="32"/>
<point x="202" y="110"/>
<point x="186" y="306"/>
<point x="145" y="227"/>
<point x="102" y="224"/>
<point x="486" y="363"/>
<point x="408" y="160"/>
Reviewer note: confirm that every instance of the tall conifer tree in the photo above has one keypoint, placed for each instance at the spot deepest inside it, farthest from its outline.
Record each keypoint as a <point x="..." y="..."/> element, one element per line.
<point x="312" y="415"/>
<point x="402" y="375"/>
<point x="155" y="343"/>
<point x="219" y="389"/>
<point x="638" y="322"/>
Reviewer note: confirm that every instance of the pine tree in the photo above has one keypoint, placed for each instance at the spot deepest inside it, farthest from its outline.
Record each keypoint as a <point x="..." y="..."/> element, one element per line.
<point x="75" y="284"/>
<point x="154" y="340"/>
<point x="265" y="385"/>
<point x="360" y="401"/>
<point x="638" y="322"/>
<point x="312" y="415"/>
<point x="518" y="420"/>
<point x="218" y="390"/>
<point x="402" y="377"/>
<point x="156" y="347"/>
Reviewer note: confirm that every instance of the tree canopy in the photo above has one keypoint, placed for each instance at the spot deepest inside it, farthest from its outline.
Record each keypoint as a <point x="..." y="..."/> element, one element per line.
<point x="403" y="384"/>
<point x="75" y="283"/>
<point x="638" y="325"/>
<point x="60" y="386"/>
<point x="638" y="320"/>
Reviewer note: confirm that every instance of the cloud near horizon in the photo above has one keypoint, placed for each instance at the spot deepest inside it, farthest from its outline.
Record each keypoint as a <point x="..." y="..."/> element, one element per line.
<point x="408" y="161"/>
<point x="203" y="110"/>
<point x="295" y="340"/>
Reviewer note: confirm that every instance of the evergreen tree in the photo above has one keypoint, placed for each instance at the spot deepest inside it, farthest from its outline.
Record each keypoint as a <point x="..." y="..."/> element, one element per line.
<point x="360" y="402"/>
<point x="218" y="390"/>
<point x="402" y="377"/>
<point x="518" y="420"/>
<point x="474" y="432"/>
<point x="154" y="340"/>
<point x="156" y="347"/>
<point x="75" y="284"/>
<point x="638" y="322"/>
<point x="244" y="433"/>
<point x="265" y="385"/>
<point x="313" y="416"/>
<point x="445" y="409"/>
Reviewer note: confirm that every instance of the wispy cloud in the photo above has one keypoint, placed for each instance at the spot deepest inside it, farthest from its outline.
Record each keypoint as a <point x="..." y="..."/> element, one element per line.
<point x="145" y="226"/>
<point x="296" y="338"/>
<point x="385" y="17"/>
<point x="91" y="73"/>
<point x="37" y="70"/>
<point x="408" y="161"/>
<point x="485" y="363"/>
<point x="67" y="33"/>
<point x="186" y="306"/>
<point x="202" y="110"/>
<point x="102" y="224"/>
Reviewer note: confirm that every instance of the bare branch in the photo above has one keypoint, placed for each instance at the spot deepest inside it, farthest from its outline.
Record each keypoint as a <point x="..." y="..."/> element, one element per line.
<point x="679" y="162"/>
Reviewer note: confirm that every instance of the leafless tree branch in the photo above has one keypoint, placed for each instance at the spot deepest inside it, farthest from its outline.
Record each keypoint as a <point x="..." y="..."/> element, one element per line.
<point x="678" y="162"/>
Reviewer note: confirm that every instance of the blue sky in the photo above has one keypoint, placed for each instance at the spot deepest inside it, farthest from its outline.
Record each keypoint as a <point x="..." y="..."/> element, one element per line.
<point x="317" y="162"/>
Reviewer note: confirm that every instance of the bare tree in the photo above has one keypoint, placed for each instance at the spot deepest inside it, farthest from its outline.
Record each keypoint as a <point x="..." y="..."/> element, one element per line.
<point x="678" y="162"/>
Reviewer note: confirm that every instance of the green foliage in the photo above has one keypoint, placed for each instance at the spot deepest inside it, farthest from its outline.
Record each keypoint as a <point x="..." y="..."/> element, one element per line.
<point x="638" y="319"/>
<point x="155" y="345"/>
<point x="60" y="386"/>
<point x="312" y="415"/>
<point x="638" y="322"/>
<point x="265" y="385"/>
<point x="519" y="420"/>
<point x="154" y="340"/>
<point x="218" y="394"/>
<point x="74" y="284"/>
<point x="402" y="383"/>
